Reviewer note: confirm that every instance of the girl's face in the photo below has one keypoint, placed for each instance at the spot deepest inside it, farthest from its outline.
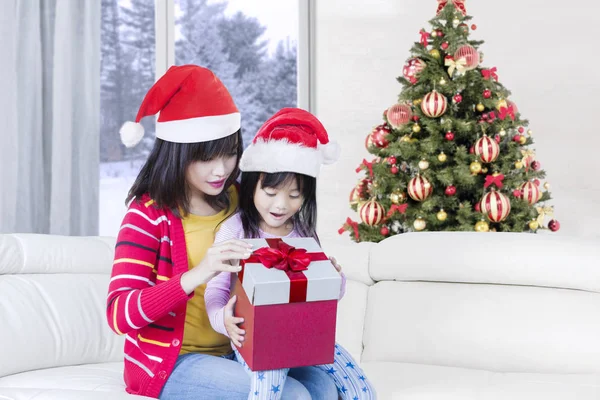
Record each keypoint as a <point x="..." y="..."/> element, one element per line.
<point x="208" y="177"/>
<point x="276" y="205"/>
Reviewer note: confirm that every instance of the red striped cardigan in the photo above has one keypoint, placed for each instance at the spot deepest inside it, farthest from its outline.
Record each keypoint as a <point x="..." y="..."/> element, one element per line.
<point x="145" y="300"/>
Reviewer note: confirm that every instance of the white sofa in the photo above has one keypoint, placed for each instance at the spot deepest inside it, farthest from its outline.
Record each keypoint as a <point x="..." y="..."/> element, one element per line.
<point x="430" y="316"/>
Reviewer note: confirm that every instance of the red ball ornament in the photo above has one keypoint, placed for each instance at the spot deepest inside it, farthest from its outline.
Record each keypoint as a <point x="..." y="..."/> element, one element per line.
<point x="416" y="118"/>
<point x="485" y="117"/>
<point x="554" y="225"/>
<point x="445" y="46"/>
<point x="372" y="213"/>
<point x="440" y="33"/>
<point x="536" y="182"/>
<point x="487" y="149"/>
<point x="457" y="98"/>
<point x="487" y="93"/>
<point x="469" y="54"/>
<point x="472" y="150"/>
<point x="384" y="231"/>
<point x="450" y="190"/>
<point x="473" y="27"/>
<point x="536" y="165"/>
<point x="434" y="104"/>
<point x="496" y="206"/>
<point x="394" y="170"/>
<point x="398" y="115"/>
<point x="530" y="192"/>
<point x="392" y="160"/>
<point x="449" y="136"/>
<point x="521" y="129"/>
<point x="379" y="136"/>
<point x="412" y="68"/>
<point x="478" y="207"/>
<point x="517" y="138"/>
<point x="517" y="193"/>
<point x="514" y="106"/>
<point x="498" y="138"/>
<point x="419" y="188"/>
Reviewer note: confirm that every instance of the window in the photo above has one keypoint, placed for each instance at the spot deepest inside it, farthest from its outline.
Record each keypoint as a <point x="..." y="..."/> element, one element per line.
<point x="254" y="46"/>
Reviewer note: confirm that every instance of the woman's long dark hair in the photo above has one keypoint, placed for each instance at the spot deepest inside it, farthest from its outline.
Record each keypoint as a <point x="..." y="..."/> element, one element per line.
<point x="305" y="220"/>
<point x="163" y="176"/>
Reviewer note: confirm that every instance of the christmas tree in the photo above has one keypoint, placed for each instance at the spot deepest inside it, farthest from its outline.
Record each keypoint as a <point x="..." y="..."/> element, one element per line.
<point x="454" y="154"/>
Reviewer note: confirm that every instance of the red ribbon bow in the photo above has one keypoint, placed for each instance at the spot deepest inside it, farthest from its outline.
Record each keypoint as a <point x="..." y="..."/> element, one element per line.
<point x="507" y="111"/>
<point x="458" y="4"/>
<point x="489" y="73"/>
<point x="292" y="261"/>
<point x="494" y="180"/>
<point x="424" y="37"/>
<point x="367" y="164"/>
<point x="350" y="224"/>
<point x="395" y="207"/>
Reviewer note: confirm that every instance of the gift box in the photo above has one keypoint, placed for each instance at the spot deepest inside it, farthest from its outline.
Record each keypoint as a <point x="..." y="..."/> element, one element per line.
<point x="287" y="293"/>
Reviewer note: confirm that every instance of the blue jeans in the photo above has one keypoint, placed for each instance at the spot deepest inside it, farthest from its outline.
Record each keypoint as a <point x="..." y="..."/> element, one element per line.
<point x="201" y="376"/>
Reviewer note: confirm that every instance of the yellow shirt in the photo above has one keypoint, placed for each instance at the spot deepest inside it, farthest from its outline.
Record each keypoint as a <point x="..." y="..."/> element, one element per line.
<point x="198" y="334"/>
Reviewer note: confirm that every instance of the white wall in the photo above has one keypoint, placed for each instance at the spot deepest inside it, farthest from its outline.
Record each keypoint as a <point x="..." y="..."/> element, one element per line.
<point x="546" y="54"/>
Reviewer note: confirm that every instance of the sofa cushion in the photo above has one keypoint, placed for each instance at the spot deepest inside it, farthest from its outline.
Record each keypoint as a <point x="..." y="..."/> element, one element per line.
<point x="351" y="318"/>
<point x="500" y="328"/>
<point x="403" y="381"/>
<point x="497" y="258"/>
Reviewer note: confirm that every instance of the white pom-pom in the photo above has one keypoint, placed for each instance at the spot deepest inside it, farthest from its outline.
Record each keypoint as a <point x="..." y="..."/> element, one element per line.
<point x="331" y="152"/>
<point x="131" y="133"/>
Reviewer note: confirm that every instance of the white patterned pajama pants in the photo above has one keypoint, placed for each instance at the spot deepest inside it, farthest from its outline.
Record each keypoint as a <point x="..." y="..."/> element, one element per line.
<point x="350" y="380"/>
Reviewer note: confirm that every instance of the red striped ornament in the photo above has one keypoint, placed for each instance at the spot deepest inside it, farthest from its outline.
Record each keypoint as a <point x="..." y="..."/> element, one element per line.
<point x="372" y="213"/>
<point x="530" y="192"/>
<point x="495" y="205"/>
<point x="487" y="149"/>
<point x="419" y="188"/>
<point x="469" y="54"/>
<point x="413" y="67"/>
<point x="398" y="115"/>
<point x="434" y="104"/>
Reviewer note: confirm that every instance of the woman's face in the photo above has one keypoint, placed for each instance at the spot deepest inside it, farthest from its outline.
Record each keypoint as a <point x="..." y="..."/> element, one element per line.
<point x="209" y="177"/>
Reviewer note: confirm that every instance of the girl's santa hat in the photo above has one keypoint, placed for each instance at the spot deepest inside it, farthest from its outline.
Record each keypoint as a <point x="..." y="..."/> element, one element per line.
<point x="293" y="140"/>
<point x="194" y="106"/>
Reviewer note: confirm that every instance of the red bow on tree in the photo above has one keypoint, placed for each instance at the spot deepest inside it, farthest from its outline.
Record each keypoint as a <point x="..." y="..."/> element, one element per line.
<point x="495" y="179"/>
<point x="284" y="258"/>
<point x="424" y="37"/>
<point x="458" y="4"/>
<point x="490" y="73"/>
<point x="350" y="224"/>
<point x="395" y="207"/>
<point x="507" y="111"/>
<point x="367" y="164"/>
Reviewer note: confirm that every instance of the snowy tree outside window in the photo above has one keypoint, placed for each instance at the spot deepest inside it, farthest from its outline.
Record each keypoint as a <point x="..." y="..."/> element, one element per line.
<point x="251" y="45"/>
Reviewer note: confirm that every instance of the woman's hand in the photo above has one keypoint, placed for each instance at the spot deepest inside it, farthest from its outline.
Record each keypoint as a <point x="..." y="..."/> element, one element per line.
<point x="214" y="262"/>
<point x="236" y="334"/>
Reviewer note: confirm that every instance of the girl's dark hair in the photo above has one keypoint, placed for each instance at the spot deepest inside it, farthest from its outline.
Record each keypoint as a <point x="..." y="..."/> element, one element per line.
<point x="305" y="220"/>
<point x="163" y="176"/>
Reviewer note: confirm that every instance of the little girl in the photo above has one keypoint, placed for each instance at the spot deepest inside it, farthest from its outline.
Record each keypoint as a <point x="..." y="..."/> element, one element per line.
<point x="279" y="200"/>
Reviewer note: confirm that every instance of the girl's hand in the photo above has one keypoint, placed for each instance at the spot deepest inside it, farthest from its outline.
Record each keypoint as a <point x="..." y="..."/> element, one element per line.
<point x="215" y="262"/>
<point x="236" y="334"/>
<point x="337" y="266"/>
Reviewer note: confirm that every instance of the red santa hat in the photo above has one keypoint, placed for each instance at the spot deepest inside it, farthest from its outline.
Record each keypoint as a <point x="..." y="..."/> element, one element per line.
<point x="194" y="106"/>
<point x="292" y="140"/>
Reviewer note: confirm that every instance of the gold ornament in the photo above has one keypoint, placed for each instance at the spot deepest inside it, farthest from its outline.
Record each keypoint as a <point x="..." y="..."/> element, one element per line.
<point x="423" y="164"/>
<point x="375" y="184"/>
<point x="442" y="81"/>
<point x="519" y="165"/>
<point x="442" y="215"/>
<point x="417" y="102"/>
<point x="522" y="139"/>
<point x="529" y="132"/>
<point x="501" y="104"/>
<point x="434" y="33"/>
<point x="475" y="167"/>
<point x="442" y="157"/>
<point x="480" y="107"/>
<point x="455" y="22"/>
<point x="420" y="224"/>
<point x="482" y="226"/>
<point x="546" y="186"/>
<point x="484" y="170"/>
<point x="502" y="132"/>
<point x="397" y="197"/>
<point x="533" y="225"/>
<point x="405" y="138"/>
<point x="435" y="53"/>
<point x="416" y="128"/>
